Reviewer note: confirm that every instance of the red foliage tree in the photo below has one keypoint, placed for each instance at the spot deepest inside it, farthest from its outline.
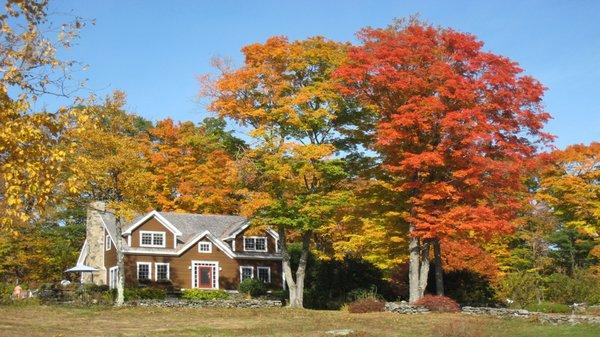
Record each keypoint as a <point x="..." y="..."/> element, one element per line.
<point x="458" y="127"/>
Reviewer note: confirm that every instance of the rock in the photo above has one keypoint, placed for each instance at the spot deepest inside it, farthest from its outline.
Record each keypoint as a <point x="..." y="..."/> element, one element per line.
<point x="340" y="332"/>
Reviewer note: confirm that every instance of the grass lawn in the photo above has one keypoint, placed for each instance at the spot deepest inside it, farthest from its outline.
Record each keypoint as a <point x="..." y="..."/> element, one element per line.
<point x="32" y="320"/>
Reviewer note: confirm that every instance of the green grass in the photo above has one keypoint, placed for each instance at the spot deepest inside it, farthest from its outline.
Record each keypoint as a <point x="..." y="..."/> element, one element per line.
<point x="34" y="320"/>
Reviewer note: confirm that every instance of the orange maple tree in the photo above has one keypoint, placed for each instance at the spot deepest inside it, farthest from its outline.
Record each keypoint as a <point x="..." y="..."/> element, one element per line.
<point x="193" y="172"/>
<point x="458" y="127"/>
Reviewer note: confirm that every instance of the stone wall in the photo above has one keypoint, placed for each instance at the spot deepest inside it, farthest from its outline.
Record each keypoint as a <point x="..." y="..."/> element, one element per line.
<point x="230" y="303"/>
<point x="405" y="308"/>
<point x="525" y="314"/>
<point x="94" y="232"/>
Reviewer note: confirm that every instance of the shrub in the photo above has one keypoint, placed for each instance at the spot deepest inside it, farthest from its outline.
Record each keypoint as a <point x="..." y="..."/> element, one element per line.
<point x="438" y="303"/>
<point x="367" y="304"/>
<point x="549" y="307"/>
<point x="253" y="287"/>
<point x="144" y="294"/>
<point x="199" y="294"/>
<point x="522" y="288"/>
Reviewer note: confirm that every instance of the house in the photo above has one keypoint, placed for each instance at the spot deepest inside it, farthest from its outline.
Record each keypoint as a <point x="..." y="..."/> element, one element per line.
<point x="189" y="250"/>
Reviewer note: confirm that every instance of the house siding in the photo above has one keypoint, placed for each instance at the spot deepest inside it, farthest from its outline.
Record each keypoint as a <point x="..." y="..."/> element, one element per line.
<point x="181" y="274"/>
<point x="110" y="256"/>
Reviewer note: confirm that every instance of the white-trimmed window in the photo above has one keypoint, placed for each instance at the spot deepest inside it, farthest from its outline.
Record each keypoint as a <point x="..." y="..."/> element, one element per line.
<point x="255" y="244"/>
<point x="144" y="270"/>
<point x="205" y="247"/>
<point x="161" y="271"/>
<point x="264" y="274"/>
<point x="107" y="242"/>
<point x="246" y="272"/>
<point x="152" y="239"/>
<point x="113" y="277"/>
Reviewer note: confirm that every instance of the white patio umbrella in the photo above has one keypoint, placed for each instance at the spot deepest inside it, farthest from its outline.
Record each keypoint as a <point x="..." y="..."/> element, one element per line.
<point x="82" y="268"/>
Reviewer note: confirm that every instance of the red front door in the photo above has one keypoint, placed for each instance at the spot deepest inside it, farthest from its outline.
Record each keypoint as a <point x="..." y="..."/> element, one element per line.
<point x="204" y="277"/>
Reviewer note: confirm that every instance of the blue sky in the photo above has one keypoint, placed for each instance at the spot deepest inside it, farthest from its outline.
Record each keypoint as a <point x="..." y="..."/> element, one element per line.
<point x="153" y="50"/>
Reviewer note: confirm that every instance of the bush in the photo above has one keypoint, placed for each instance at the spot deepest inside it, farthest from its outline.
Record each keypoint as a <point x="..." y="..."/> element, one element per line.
<point x="522" y="288"/>
<point x="582" y="287"/>
<point x="199" y="294"/>
<point x="549" y="307"/>
<point x="367" y="304"/>
<point x="144" y="294"/>
<point x="438" y="303"/>
<point x="253" y="287"/>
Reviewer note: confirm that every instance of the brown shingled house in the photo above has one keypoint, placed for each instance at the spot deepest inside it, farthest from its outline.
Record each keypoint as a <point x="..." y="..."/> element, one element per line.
<point x="189" y="250"/>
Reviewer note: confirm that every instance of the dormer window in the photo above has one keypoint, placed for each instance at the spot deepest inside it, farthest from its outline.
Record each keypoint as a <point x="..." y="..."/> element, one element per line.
<point x="255" y="244"/>
<point x="152" y="239"/>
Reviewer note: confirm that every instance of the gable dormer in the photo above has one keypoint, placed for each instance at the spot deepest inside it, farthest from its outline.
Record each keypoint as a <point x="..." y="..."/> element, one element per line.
<point x="244" y="240"/>
<point x="152" y="231"/>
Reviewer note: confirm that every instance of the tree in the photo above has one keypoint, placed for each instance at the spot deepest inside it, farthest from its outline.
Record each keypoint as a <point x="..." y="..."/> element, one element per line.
<point x="30" y="158"/>
<point x="569" y="184"/>
<point x="194" y="168"/>
<point x="457" y="129"/>
<point x="285" y="95"/>
<point x="110" y="164"/>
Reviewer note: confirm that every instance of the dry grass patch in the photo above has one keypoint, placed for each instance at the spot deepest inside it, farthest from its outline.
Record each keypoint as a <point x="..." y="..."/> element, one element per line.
<point x="67" y="321"/>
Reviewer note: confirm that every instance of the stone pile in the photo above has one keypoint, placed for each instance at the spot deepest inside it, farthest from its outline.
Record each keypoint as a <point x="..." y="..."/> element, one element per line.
<point x="230" y="303"/>
<point x="404" y="308"/>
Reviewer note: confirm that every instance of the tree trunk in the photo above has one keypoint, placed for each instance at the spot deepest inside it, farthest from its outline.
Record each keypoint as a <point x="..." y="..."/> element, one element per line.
<point x="413" y="267"/>
<point x="439" y="272"/>
<point x="120" y="263"/>
<point x="424" y="268"/>
<point x="295" y="287"/>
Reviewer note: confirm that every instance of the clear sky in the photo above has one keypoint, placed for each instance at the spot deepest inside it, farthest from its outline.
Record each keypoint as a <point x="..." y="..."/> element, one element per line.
<point x="153" y="50"/>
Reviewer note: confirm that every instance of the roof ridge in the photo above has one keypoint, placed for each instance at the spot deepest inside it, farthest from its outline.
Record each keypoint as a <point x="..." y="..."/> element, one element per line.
<point x="203" y="214"/>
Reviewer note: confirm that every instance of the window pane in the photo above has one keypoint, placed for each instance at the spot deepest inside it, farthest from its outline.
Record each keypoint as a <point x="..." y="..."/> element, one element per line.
<point x="158" y="239"/>
<point x="146" y="238"/>
<point x="162" y="272"/>
<point x="263" y="274"/>
<point x="204" y="247"/>
<point x="249" y="243"/>
<point x="246" y="273"/>
<point x="261" y="244"/>
<point x="143" y="272"/>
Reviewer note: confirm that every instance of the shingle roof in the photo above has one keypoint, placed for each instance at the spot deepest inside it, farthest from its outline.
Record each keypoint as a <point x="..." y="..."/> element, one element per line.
<point x="191" y="224"/>
<point x="188" y="224"/>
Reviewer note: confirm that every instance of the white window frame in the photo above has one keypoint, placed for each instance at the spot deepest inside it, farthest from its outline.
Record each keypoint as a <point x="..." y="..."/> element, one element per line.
<point x="268" y="273"/>
<point x="205" y="243"/>
<point x="149" y="264"/>
<point x="152" y="234"/>
<point x="107" y="242"/>
<point x="113" y="280"/>
<point x="254" y="238"/>
<point x="156" y="264"/>
<point x="242" y="274"/>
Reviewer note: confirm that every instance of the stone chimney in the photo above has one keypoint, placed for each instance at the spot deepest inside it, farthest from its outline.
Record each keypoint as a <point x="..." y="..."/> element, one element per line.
<point x="95" y="237"/>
